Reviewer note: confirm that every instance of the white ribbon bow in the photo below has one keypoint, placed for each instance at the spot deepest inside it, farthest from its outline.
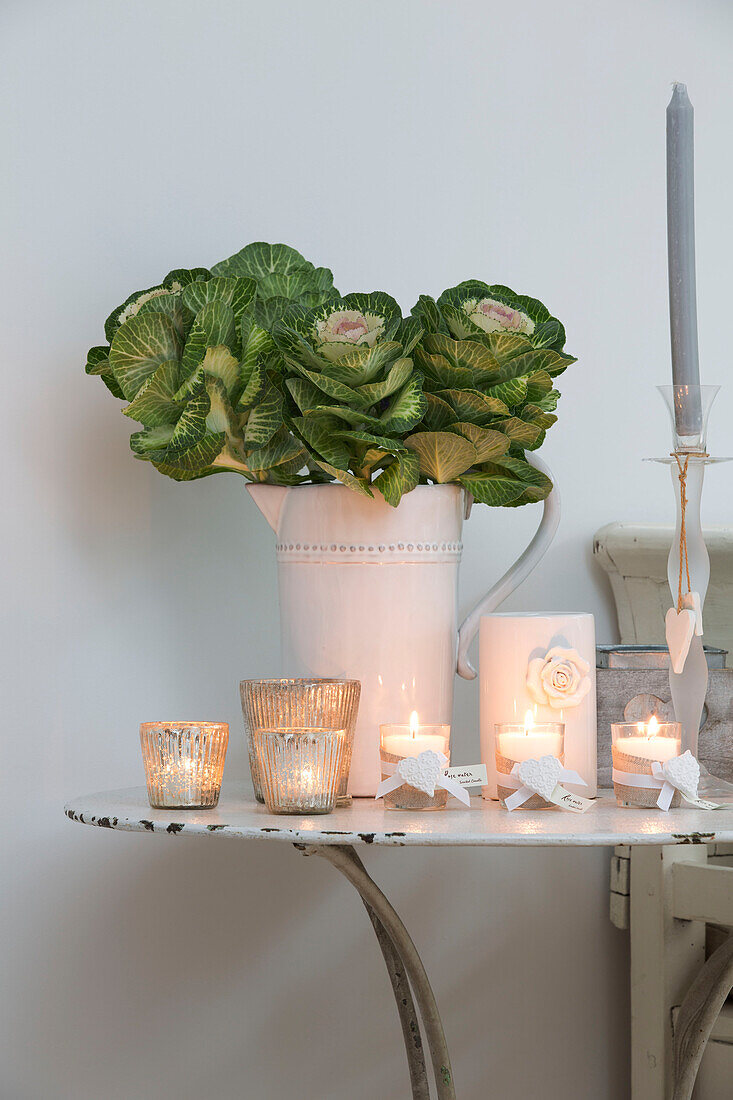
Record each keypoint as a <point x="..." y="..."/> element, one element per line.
<point x="540" y="777"/>
<point x="680" y="773"/>
<point x="425" y="772"/>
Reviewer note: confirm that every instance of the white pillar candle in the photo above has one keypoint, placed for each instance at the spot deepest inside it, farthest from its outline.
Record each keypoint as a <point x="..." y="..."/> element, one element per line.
<point x="508" y="645"/>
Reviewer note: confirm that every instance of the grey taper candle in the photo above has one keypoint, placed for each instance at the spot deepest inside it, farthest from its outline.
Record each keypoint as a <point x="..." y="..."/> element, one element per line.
<point x="681" y="258"/>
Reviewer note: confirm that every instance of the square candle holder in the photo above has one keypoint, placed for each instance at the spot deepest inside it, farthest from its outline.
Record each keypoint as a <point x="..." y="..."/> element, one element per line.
<point x="399" y="741"/>
<point x="300" y="706"/>
<point x="635" y="746"/>
<point x="184" y="763"/>
<point x="516" y="742"/>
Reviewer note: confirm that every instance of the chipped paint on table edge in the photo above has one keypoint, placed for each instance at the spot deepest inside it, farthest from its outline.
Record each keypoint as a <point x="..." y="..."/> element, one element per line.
<point x="395" y="839"/>
<point x="250" y="832"/>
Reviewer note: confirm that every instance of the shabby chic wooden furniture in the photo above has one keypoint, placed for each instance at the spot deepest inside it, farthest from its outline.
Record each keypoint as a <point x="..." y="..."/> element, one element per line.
<point x="666" y="883"/>
<point x="634" y="555"/>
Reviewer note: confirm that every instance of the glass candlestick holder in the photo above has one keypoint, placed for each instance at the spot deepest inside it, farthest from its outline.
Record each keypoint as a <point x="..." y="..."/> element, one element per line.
<point x="689" y="409"/>
<point x="519" y="741"/>
<point x="635" y="747"/>
<point x="288" y="704"/>
<point x="184" y="763"/>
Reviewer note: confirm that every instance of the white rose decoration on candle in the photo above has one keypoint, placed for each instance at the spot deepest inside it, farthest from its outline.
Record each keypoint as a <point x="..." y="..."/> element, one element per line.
<point x="345" y="329"/>
<point x="559" y="679"/>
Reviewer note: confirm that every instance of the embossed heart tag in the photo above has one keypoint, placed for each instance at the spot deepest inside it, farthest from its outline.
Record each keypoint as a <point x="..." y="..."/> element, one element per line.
<point x="422" y="771"/>
<point x="684" y="772"/>
<point x="541" y="776"/>
<point x="545" y="778"/>
<point x="679" y="628"/>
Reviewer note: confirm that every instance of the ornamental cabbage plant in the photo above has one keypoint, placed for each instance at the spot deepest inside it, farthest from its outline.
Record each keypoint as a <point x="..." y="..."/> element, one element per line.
<point x="352" y="391"/>
<point x="258" y="366"/>
<point x="194" y="359"/>
<point x="488" y="358"/>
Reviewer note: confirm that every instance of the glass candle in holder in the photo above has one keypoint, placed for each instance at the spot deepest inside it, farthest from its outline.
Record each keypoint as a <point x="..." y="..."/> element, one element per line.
<point x="635" y="746"/>
<point x="516" y="741"/>
<point x="399" y="741"/>
<point x="299" y="769"/>
<point x="301" y="704"/>
<point x="184" y="763"/>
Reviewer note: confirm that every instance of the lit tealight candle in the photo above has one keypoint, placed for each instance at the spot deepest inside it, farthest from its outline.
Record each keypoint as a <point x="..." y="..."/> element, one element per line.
<point x="299" y="768"/>
<point x="411" y="740"/>
<point x="400" y="741"/>
<point x="531" y="741"/>
<point x="636" y="746"/>
<point x="650" y="740"/>
<point x="184" y="762"/>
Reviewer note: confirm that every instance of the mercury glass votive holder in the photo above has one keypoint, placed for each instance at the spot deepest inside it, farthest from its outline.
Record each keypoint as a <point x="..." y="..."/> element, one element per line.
<point x="301" y="704"/>
<point x="299" y="769"/>
<point x="634" y="747"/>
<point x="184" y="763"/>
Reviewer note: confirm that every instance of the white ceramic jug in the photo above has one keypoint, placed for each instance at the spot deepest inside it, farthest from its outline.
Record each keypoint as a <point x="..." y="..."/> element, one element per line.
<point x="369" y="592"/>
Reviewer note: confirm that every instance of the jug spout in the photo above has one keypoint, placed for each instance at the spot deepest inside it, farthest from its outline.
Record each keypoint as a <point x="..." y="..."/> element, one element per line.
<point x="269" y="499"/>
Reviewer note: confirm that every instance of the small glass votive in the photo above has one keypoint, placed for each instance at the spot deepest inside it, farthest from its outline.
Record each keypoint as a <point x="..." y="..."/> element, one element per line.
<point x="634" y="747"/>
<point x="184" y="763"/>
<point x="301" y="704"/>
<point x="299" y="769"/>
<point x="518" y="741"/>
<point x="398" y="741"/>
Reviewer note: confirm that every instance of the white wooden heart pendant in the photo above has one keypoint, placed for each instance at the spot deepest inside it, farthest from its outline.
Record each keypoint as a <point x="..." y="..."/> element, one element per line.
<point x="541" y="776"/>
<point x="679" y="628"/>
<point x="693" y="602"/>
<point x="421" y="771"/>
<point x="684" y="773"/>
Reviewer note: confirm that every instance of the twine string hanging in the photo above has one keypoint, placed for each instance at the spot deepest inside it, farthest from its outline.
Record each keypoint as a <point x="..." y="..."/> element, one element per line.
<point x="682" y="468"/>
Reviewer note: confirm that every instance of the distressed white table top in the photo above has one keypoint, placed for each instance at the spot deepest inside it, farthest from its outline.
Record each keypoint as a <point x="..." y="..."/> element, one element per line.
<point x="367" y="822"/>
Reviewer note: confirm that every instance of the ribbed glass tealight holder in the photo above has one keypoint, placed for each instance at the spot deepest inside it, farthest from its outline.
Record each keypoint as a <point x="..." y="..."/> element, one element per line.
<point x="285" y="705"/>
<point x="299" y="768"/>
<point x="184" y="763"/>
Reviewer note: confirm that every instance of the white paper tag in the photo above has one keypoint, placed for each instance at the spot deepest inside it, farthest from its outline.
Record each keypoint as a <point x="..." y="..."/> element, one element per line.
<point x="701" y="803"/>
<point x="470" y="775"/>
<point x="567" y="801"/>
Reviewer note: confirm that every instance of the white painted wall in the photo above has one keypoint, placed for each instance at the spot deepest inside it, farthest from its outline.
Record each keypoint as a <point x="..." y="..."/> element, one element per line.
<point x="407" y="146"/>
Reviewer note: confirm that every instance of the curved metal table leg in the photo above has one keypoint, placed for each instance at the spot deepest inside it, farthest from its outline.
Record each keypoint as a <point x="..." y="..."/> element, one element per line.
<point x="405" y="1007"/>
<point x="696" y="1019"/>
<point x="345" y="859"/>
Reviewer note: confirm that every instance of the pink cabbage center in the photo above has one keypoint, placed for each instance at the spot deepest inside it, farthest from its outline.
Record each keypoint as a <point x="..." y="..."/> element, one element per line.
<point x="351" y="330"/>
<point x="510" y="317"/>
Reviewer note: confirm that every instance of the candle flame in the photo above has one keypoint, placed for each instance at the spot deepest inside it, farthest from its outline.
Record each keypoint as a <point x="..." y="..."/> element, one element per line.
<point x="528" y="721"/>
<point x="414" y="724"/>
<point x="653" y="727"/>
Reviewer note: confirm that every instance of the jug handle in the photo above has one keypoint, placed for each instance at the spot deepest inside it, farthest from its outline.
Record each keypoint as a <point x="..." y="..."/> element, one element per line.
<point x="514" y="576"/>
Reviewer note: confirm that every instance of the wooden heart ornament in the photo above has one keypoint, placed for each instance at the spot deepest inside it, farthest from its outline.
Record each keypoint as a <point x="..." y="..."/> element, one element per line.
<point x="684" y="773"/>
<point x="693" y="602"/>
<point x="541" y="776"/>
<point x="679" y="628"/>
<point x="422" y="771"/>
